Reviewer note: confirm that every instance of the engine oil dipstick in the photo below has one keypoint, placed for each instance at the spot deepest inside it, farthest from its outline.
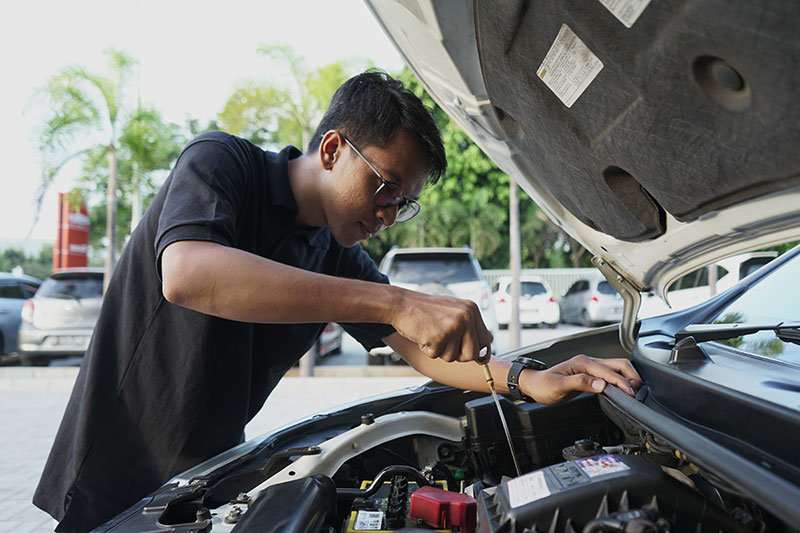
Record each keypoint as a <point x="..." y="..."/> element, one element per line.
<point x="483" y="360"/>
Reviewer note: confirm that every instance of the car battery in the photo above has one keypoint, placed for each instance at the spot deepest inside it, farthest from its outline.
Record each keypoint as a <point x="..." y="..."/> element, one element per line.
<point x="387" y="510"/>
<point x="540" y="433"/>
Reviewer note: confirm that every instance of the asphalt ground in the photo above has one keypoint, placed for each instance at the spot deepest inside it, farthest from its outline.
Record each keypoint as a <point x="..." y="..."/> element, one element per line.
<point x="32" y="402"/>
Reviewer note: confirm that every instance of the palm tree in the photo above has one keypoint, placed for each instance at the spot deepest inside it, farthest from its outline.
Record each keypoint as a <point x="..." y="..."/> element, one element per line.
<point x="278" y="114"/>
<point x="84" y="113"/>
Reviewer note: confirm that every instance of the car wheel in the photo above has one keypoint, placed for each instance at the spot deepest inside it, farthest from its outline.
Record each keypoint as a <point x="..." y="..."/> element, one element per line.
<point x="585" y="319"/>
<point x="375" y="360"/>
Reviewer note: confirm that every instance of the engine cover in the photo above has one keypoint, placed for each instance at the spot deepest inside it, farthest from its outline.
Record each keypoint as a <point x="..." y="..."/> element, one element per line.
<point x="568" y="496"/>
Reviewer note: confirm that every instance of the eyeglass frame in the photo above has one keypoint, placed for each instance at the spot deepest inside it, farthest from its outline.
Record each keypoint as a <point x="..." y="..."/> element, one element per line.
<point x="414" y="205"/>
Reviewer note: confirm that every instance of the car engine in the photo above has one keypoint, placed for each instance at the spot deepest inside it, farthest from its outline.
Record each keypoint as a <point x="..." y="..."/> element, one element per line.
<point x="586" y="468"/>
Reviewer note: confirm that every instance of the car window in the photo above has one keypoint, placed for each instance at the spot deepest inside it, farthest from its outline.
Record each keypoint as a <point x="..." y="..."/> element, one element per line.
<point x="752" y="264"/>
<point x="427" y="268"/>
<point x="11" y="290"/>
<point x="28" y="289"/>
<point x="776" y="298"/>
<point x="72" y="287"/>
<point x="532" y="288"/>
<point x="698" y="278"/>
<point x="605" y="287"/>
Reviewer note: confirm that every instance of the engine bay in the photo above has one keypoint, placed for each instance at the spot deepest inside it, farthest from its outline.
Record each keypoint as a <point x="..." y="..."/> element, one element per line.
<point x="586" y="468"/>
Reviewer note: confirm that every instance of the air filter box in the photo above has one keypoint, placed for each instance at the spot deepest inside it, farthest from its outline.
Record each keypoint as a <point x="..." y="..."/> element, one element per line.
<point x="567" y="496"/>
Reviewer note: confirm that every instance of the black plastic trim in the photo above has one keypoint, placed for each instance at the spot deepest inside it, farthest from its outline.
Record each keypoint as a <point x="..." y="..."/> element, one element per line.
<point x="772" y="492"/>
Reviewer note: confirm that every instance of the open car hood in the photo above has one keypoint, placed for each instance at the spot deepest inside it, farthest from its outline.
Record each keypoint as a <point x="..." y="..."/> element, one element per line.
<point x="661" y="135"/>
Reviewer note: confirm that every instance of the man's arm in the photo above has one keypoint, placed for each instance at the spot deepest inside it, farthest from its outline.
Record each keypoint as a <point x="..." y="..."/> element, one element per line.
<point x="561" y="382"/>
<point x="237" y="285"/>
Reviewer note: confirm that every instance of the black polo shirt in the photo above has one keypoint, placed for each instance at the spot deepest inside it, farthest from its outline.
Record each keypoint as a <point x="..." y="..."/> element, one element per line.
<point x="161" y="387"/>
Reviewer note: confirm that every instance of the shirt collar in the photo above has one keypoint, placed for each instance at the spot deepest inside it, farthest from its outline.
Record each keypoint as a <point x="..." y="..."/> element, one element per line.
<point x="281" y="194"/>
<point x="278" y="178"/>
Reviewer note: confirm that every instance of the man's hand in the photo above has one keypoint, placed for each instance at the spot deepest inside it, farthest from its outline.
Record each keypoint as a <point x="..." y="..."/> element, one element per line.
<point x="579" y="374"/>
<point x="442" y="327"/>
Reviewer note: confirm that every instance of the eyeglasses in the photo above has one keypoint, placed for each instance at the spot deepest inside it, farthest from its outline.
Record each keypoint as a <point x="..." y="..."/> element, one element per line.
<point x="389" y="193"/>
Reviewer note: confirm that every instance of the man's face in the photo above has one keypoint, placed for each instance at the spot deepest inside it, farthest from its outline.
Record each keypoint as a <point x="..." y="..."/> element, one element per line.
<point x="349" y="202"/>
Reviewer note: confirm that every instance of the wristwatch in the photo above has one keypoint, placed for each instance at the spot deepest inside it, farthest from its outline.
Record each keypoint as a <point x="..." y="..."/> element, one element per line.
<point x="512" y="381"/>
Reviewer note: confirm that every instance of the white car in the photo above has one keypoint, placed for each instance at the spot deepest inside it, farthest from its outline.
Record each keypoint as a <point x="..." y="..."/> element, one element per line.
<point x="537" y="305"/>
<point x="694" y="288"/>
<point x="591" y="301"/>
<point x="59" y="320"/>
<point x="447" y="271"/>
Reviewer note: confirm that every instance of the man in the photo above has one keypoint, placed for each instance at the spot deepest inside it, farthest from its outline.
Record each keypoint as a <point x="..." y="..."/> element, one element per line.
<point x="240" y="260"/>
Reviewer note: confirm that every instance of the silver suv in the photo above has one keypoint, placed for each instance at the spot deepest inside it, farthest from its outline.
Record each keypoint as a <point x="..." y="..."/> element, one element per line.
<point x="448" y="271"/>
<point x="58" y="321"/>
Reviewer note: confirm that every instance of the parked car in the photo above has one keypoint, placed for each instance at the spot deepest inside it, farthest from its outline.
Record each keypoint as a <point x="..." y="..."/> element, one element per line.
<point x="14" y="290"/>
<point x="447" y="271"/>
<point x="694" y="288"/>
<point x="58" y="321"/>
<point x="330" y="341"/>
<point x="661" y="135"/>
<point x="591" y="301"/>
<point x="537" y="305"/>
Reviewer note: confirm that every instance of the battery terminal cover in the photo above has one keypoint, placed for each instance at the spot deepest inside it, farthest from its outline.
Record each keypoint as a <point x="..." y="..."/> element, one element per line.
<point x="442" y="509"/>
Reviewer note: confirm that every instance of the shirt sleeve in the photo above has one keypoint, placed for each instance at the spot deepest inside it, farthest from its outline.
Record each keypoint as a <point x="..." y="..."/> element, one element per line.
<point x="205" y="192"/>
<point x="359" y="265"/>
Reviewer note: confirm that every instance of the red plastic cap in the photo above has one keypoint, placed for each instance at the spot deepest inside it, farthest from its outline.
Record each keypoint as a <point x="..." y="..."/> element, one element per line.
<point x="442" y="509"/>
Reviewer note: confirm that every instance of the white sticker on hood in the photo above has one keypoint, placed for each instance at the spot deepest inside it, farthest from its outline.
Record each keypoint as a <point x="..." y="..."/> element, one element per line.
<point x="626" y="11"/>
<point x="569" y="66"/>
<point x="528" y="488"/>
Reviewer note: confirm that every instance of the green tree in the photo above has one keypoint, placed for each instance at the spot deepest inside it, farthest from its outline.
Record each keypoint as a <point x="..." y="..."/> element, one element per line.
<point x="84" y="110"/>
<point x="38" y="266"/>
<point x="276" y="114"/>
<point x="147" y="147"/>
<point x="539" y="234"/>
<point x="11" y="258"/>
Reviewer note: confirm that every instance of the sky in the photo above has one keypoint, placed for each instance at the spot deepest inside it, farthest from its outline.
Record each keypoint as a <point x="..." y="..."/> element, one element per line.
<point x="191" y="53"/>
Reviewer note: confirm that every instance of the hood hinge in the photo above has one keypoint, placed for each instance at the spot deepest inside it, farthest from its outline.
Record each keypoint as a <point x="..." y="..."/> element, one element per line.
<point x="632" y="300"/>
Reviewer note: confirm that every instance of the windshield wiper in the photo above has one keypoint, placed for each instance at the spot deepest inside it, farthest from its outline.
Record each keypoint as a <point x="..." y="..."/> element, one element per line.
<point x="785" y="331"/>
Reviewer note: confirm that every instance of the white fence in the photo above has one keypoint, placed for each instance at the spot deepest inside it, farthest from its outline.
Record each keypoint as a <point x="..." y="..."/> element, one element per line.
<point x="559" y="279"/>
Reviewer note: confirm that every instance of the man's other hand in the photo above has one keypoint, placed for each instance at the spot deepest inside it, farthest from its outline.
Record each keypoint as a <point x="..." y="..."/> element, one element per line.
<point x="579" y="374"/>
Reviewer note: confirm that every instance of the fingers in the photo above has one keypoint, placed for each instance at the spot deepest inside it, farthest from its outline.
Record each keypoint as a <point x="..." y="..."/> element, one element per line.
<point x="614" y="371"/>
<point x="625" y="367"/>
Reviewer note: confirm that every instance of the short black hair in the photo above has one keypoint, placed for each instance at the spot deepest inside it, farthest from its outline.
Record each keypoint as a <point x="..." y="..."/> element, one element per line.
<point x="371" y="107"/>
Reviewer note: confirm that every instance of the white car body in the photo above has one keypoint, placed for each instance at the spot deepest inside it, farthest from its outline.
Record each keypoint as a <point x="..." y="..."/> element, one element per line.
<point x="537" y="304"/>
<point x="591" y="301"/>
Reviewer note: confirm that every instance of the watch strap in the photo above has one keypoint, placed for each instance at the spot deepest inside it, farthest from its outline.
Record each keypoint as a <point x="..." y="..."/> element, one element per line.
<point x="512" y="381"/>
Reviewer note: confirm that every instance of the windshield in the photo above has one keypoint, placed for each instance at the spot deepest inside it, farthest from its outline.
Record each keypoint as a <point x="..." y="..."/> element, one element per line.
<point x="427" y="268"/>
<point x="532" y="288"/>
<point x="776" y="298"/>
<point x="74" y="286"/>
